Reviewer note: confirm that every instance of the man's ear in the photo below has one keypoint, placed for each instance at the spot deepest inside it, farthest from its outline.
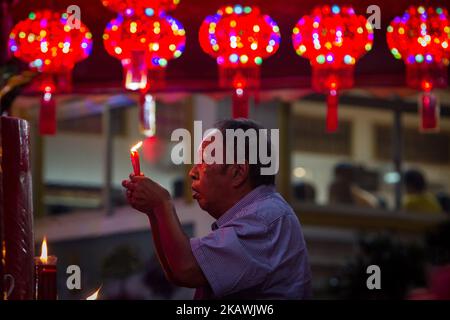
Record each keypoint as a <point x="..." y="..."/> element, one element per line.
<point x="240" y="173"/>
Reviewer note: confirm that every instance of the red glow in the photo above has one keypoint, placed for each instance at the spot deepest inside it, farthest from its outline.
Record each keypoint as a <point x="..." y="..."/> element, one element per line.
<point x="429" y="113"/>
<point x="144" y="43"/>
<point x="421" y="38"/>
<point x="149" y="7"/>
<point x="332" y="38"/>
<point x="47" y="42"/>
<point x="426" y="85"/>
<point x="153" y="149"/>
<point x="239" y="38"/>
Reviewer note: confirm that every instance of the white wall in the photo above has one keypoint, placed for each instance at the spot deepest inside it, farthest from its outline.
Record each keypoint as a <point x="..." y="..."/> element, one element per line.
<point x="79" y="158"/>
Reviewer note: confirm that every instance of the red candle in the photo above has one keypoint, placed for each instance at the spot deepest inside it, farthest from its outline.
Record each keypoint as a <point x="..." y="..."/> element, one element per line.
<point x="45" y="275"/>
<point x="135" y="158"/>
<point x="16" y="211"/>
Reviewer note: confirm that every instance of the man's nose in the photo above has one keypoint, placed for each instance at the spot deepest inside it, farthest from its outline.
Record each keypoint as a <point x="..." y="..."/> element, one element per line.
<point x="193" y="173"/>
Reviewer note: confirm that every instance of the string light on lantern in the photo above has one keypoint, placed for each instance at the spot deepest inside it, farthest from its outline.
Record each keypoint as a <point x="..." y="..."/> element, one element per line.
<point x="144" y="45"/>
<point x="421" y="39"/>
<point x="332" y="38"/>
<point x="239" y="38"/>
<point x="147" y="7"/>
<point x="51" y="47"/>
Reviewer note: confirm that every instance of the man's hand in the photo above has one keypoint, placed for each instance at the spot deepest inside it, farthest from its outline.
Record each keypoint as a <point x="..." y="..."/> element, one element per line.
<point x="172" y="244"/>
<point x="144" y="194"/>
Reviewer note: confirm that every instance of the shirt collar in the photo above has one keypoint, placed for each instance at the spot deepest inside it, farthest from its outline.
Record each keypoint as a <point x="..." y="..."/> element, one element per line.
<point x="257" y="193"/>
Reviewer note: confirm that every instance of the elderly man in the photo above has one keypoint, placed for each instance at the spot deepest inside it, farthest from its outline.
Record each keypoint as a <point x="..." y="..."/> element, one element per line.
<point x="256" y="248"/>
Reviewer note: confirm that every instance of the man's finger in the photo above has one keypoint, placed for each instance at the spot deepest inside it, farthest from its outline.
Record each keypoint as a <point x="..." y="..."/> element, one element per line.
<point x="136" y="178"/>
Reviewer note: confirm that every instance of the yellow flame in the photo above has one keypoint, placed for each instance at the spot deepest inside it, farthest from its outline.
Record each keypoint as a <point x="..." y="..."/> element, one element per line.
<point x="44" y="255"/>
<point x="94" y="296"/>
<point x="136" y="146"/>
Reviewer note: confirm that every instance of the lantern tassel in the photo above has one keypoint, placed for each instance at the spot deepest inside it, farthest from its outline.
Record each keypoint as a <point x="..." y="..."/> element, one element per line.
<point x="47" y="114"/>
<point x="240" y="103"/>
<point x="332" y="111"/>
<point x="147" y="114"/>
<point x="135" y="70"/>
<point x="429" y="112"/>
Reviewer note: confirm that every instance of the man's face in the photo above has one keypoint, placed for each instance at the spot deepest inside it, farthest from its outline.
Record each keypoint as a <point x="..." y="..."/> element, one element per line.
<point x="210" y="185"/>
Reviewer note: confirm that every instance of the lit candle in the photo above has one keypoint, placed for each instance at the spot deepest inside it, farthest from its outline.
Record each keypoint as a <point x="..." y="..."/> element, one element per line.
<point x="45" y="274"/>
<point x="135" y="158"/>
<point x="94" y="296"/>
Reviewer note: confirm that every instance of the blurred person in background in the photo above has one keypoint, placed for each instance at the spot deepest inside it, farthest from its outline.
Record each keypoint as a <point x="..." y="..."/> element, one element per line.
<point x="343" y="189"/>
<point x="444" y="200"/>
<point x="417" y="198"/>
<point x="305" y="192"/>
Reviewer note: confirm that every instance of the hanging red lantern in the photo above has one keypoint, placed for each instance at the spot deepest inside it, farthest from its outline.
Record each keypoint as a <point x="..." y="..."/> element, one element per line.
<point x="332" y="38"/>
<point x="139" y="7"/>
<point x="239" y="38"/>
<point x="421" y="37"/>
<point x="48" y="43"/>
<point x="144" y="45"/>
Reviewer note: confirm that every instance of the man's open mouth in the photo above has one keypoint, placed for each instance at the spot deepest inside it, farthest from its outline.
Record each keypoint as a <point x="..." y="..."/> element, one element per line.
<point x="195" y="193"/>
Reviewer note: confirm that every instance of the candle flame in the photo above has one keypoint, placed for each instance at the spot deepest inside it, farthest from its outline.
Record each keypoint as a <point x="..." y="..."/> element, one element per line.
<point x="94" y="296"/>
<point x="44" y="255"/>
<point x="136" y="146"/>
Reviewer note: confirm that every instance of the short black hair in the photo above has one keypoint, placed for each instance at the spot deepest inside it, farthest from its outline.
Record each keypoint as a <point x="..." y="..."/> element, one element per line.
<point x="415" y="180"/>
<point x="255" y="175"/>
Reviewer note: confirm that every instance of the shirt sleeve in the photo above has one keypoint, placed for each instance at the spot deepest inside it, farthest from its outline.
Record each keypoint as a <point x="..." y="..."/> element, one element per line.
<point x="233" y="258"/>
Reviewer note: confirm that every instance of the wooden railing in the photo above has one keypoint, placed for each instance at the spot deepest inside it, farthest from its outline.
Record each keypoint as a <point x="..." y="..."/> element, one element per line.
<point x="367" y="219"/>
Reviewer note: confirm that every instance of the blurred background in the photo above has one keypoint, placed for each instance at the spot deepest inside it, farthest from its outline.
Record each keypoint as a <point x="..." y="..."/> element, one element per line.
<point x="375" y="192"/>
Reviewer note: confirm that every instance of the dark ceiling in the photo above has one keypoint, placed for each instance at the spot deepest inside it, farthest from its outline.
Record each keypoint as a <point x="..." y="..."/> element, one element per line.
<point x="196" y="71"/>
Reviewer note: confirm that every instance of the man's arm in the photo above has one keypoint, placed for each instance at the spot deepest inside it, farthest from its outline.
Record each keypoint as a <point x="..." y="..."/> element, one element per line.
<point x="160" y="252"/>
<point x="175" y="246"/>
<point x="171" y="243"/>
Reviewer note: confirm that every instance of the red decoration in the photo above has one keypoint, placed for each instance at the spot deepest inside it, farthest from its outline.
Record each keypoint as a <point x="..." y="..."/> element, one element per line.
<point x="239" y="38"/>
<point x="16" y="210"/>
<point x="134" y="156"/>
<point x="332" y="38"/>
<point x="45" y="275"/>
<point x="148" y="7"/>
<point x="153" y="149"/>
<point x="144" y="45"/>
<point x="421" y="37"/>
<point x="47" y="42"/>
